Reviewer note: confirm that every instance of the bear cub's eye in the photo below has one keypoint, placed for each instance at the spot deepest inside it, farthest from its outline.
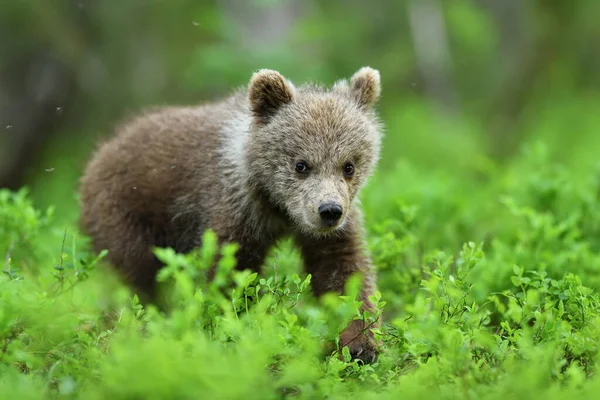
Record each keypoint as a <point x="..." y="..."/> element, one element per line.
<point x="348" y="169"/>
<point x="301" y="167"/>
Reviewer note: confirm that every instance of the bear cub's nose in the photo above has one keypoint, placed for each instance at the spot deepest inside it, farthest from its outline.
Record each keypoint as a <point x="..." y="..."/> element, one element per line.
<point x="330" y="212"/>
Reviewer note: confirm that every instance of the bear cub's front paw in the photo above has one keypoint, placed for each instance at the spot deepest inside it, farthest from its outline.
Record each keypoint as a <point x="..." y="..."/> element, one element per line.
<point x="360" y="341"/>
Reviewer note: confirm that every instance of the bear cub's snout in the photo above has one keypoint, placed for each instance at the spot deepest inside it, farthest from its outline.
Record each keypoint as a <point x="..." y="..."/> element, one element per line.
<point x="330" y="213"/>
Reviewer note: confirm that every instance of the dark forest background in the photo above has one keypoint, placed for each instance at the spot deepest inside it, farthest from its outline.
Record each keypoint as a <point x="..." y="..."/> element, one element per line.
<point x="463" y="80"/>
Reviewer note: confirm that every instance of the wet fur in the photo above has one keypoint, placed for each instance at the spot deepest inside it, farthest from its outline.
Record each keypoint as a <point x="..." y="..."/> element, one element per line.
<point x="172" y="172"/>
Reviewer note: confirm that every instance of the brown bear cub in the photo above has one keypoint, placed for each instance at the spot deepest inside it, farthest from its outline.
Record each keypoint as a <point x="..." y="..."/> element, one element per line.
<point x="270" y="161"/>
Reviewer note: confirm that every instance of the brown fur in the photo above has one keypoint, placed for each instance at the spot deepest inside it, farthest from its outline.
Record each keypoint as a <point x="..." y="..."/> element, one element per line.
<point x="169" y="174"/>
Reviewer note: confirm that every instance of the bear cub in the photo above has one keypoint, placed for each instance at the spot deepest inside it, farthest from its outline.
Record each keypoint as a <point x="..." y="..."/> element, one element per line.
<point x="269" y="161"/>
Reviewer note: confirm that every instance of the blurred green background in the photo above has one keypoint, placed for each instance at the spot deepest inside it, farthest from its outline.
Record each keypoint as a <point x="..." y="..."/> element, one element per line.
<point x="465" y="83"/>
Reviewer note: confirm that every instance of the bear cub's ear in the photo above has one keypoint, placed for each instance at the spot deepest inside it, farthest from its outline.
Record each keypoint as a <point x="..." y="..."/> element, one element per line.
<point x="267" y="92"/>
<point x="365" y="86"/>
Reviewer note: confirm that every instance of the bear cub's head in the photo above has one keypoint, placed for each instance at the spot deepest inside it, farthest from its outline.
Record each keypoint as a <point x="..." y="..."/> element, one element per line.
<point x="310" y="148"/>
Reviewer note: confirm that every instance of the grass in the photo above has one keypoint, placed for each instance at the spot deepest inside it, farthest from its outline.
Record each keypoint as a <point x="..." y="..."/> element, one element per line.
<point x="487" y="276"/>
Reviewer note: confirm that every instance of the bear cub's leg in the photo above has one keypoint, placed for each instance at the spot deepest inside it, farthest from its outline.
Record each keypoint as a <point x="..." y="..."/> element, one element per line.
<point x="331" y="261"/>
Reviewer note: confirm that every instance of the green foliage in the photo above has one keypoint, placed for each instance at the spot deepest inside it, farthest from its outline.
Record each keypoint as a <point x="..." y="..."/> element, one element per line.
<point x="488" y="289"/>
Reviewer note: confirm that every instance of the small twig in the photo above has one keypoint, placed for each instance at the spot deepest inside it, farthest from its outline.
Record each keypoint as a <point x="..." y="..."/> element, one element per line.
<point x="62" y="249"/>
<point x="275" y="267"/>
<point x="8" y="254"/>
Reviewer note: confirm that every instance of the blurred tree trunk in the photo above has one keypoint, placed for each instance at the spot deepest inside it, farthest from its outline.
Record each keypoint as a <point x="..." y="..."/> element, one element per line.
<point x="434" y="60"/>
<point x="34" y="91"/>
<point x="37" y="79"/>
<point x="530" y="50"/>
